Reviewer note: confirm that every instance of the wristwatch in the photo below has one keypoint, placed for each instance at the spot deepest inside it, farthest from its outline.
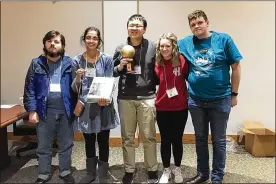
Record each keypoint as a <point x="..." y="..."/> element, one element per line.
<point x="234" y="94"/>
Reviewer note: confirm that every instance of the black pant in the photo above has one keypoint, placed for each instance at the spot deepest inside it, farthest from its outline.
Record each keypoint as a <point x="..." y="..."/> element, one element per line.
<point x="103" y="142"/>
<point x="171" y="125"/>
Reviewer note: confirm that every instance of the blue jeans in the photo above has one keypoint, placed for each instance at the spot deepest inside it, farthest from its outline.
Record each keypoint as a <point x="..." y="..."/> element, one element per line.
<point x="54" y="125"/>
<point x="217" y="113"/>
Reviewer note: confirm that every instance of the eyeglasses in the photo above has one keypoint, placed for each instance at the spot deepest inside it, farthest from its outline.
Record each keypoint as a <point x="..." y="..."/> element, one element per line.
<point x="92" y="38"/>
<point x="132" y="26"/>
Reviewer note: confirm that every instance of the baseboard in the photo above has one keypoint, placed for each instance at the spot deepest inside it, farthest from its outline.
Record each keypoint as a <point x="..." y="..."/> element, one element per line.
<point x="117" y="141"/>
<point x="190" y="138"/>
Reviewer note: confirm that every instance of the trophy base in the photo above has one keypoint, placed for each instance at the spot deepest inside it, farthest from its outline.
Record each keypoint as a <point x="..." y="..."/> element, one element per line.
<point x="131" y="72"/>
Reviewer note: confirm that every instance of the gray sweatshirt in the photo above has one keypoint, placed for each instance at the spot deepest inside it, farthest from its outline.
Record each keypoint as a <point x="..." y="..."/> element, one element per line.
<point x="137" y="86"/>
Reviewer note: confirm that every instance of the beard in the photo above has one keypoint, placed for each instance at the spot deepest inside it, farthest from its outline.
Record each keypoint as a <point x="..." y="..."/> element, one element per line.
<point x="53" y="54"/>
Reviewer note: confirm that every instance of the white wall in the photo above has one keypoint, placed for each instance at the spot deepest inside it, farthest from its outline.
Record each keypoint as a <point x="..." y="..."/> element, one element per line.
<point x="251" y="25"/>
<point x="116" y="14"/>
<point x="23" y="26"/>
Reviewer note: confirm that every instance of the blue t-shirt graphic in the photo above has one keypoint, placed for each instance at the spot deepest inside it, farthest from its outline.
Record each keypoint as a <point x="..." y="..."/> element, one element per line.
<point x="204" y="57"/>
<point x="209" y="64"/>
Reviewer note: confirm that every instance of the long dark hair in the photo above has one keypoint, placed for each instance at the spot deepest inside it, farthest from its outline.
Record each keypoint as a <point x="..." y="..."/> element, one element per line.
<point x="91" y="28"/>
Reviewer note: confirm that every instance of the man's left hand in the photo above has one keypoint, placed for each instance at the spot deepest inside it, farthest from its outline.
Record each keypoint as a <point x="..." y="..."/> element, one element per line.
<point x="234" y="101"/>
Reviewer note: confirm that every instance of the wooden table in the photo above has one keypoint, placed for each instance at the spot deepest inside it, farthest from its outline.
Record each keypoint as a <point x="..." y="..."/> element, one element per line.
<point x="8" y="117"/>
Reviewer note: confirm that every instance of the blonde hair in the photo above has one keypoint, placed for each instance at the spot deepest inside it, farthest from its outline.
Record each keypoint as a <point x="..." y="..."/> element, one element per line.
<point x="175" y="52"/>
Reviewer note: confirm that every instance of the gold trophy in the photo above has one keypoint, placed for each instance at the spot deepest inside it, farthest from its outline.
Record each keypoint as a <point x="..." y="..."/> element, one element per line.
<point x="128" y="52"/>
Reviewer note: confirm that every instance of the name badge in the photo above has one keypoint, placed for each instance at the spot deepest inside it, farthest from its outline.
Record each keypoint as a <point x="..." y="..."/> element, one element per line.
<point x="172" y="92"/>
<point x="137" y="69"/>
<point x="55" y="88"/>
<point x="90" y="72"/>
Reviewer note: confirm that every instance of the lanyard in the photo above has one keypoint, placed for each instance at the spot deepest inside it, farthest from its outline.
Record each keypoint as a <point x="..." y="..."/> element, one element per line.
<point x="85" y="80"/>
<point x="141" y="47"/>
<point x="54" y="71"/>
<point x="93" y="64"/>
<point x="166" y="78"/>
<point x="140" y="54"/>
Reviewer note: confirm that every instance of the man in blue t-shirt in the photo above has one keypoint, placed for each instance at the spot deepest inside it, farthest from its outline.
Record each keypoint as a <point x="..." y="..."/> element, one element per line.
<point x="212" y="91"/>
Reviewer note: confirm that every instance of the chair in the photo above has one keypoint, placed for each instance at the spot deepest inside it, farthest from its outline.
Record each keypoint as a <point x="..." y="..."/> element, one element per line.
<point x="22" y="128"/>
<point x="28" y="131"/>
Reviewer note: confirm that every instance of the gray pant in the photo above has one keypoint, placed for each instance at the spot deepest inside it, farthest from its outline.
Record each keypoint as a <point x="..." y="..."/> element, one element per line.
<point x="143" y="114"/>
<point x="54" y="125"/>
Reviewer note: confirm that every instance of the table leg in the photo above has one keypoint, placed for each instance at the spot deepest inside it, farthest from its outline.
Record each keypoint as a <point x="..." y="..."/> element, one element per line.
<point x="5" y="159"/>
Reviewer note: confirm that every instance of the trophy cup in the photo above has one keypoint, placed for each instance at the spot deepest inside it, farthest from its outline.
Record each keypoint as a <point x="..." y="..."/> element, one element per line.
<point x="128" y="52"/>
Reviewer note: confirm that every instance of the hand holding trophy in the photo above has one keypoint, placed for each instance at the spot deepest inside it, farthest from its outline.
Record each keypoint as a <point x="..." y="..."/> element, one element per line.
<point x="128" y="52"/>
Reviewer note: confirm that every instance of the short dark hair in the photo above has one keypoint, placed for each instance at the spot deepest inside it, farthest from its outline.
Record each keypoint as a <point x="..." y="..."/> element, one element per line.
<point x="91" y="28"/>
<point x="196" y="14"/>
<point x="52" y="34"/>
<point x="139" y="17"/>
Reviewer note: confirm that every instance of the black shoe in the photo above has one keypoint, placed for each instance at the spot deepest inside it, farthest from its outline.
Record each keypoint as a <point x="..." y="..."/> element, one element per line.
<point x="67" y="178"/>
<point x="197" y="179"/>
<point x="41" y="181"/>
<point x="152" y="177"/>
<point x="128" y="178"/>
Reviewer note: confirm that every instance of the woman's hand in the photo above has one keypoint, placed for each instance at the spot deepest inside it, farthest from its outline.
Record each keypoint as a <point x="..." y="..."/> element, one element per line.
<point x="102" y="102"/>
<point x="80" y="73"/>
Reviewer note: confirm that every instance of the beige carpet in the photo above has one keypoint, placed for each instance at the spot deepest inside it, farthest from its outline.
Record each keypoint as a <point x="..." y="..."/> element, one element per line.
<point x="241" y="167"/>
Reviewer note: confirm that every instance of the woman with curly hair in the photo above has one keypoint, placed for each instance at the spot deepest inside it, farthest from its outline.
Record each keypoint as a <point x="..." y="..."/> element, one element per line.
<point x="171" y="103"/>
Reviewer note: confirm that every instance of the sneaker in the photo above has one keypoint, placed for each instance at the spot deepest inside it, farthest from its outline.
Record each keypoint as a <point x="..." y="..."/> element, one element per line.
<point x="128" y="178"/>
<point x="152" y="177"/>
<point x="166" y="176"/>
<point x="198" y="179"/>
<point x="177" y="175"/>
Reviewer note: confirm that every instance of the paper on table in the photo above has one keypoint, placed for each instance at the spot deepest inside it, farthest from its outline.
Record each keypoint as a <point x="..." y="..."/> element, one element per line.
<point x="7" y="106"/>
